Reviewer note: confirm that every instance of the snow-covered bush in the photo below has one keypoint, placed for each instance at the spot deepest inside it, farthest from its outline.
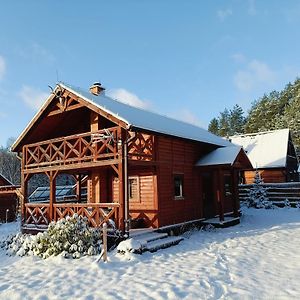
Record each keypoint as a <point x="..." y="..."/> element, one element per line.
<point x="208" y="227"/>
<point x="70" y="237"/>
<point x="257" y="195"/>
<point x="131" y="245"/>
<point x="298" y="205"/>
<point x="287" y="203"/>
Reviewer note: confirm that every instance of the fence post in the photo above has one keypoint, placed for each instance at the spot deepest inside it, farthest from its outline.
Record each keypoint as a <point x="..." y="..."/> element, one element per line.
<point x="105" y="242"/>
<point x="6" y="215"/>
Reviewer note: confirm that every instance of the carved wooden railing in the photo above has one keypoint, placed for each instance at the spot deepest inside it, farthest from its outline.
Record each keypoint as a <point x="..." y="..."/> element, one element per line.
<point x="37" y="214"/>
<point x="96" y="213"/>
<point x="141" y="147"/>
<point x="88" y="147"/>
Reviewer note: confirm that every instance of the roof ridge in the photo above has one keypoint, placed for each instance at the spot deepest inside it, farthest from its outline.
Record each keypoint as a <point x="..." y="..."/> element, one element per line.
<point x="258" y="133"/>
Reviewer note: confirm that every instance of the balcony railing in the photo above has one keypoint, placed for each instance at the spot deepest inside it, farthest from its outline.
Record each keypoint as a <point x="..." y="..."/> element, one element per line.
<point x="38" y="214"/>
<point x="83" y="149"/>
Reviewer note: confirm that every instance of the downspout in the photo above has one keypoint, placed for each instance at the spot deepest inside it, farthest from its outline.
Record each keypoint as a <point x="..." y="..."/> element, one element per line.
<point x="126" y="208"/>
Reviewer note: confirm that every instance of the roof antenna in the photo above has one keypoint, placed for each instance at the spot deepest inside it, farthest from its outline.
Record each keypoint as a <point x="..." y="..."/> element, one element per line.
<point x="51" y="88"/>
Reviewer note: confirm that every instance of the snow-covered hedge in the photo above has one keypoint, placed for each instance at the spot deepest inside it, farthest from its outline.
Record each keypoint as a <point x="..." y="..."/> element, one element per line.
<point x="70" y="237"/>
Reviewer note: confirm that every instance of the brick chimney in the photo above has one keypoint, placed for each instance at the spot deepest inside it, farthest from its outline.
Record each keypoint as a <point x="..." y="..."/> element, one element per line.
<point x="96" y="89"/>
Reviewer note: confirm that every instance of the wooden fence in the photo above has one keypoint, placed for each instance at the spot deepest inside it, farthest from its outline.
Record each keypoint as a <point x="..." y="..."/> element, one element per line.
<point x="276" y="192"/>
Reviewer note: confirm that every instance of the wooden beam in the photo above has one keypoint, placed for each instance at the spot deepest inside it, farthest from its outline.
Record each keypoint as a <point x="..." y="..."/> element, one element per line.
<point x="75" y="166"/>
<point x="68" y="108"/>
<point x="235" y="192"/>
<point x="220" y="194"/>
<point x="98" y="110"/>
<point x="52" y="179"/>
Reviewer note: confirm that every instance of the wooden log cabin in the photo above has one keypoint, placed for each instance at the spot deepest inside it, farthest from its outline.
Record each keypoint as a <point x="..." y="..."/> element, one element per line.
<point x="8" y="200"/>
<point x="137" y="165"/>
<point x="272" y="153"/>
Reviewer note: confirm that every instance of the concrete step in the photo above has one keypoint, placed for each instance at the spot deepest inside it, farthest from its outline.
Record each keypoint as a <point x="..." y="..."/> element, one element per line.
<point x="163" y="243"/>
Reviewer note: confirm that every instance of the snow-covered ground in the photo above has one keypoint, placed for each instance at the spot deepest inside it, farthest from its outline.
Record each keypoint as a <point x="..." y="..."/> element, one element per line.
<point x="258" y="259"/>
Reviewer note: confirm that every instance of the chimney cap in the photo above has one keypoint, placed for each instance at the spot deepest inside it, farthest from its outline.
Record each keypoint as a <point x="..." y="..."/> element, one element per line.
<point x="96" y="88"/>
<point x="96" y="83"/>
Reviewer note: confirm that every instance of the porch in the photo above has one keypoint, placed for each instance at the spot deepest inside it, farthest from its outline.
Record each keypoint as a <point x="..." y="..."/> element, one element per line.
<point x="82" y="156"/>
<point x="99" y="161"/>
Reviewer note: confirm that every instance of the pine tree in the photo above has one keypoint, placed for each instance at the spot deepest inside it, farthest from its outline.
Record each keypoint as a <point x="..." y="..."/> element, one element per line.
<point x="257" y="196"/>
<point x="214" y="126"/>
<point x="237" y="120"/>
<point x="224" y="123"/>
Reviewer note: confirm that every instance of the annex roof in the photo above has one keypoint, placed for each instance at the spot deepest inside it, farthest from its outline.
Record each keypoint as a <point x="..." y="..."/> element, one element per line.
<point x="220" y="156"/>
<point x="134" y="117"/>
<point x="265" y="149"/>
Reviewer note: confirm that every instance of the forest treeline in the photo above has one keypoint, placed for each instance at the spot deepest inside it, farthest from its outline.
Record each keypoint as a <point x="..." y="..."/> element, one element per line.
<point x="276" y="110"/>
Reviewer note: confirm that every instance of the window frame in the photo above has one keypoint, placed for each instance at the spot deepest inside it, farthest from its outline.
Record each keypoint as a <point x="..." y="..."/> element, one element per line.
<point x="136" y="198"/>
<point x="181" y="187"/>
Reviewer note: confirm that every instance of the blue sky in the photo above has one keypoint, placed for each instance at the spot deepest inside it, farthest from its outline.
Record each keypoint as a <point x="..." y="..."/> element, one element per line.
<point x="187" y="59"/>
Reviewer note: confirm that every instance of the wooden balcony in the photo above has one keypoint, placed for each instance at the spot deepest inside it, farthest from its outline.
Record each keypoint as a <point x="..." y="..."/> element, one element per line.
<point x="39" y="215"/>
<point x="72" y="152"/>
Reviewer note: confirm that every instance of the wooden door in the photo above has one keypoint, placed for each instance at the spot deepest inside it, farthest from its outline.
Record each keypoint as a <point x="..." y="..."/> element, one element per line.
<point x="208" y="195"/>
<point x="228" y="192"/>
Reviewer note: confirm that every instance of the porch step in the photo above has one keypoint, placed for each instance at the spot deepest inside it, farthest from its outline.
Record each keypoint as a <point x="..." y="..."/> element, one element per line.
<point x="228" y="221"/>
<point x="163" y="243"/>
<point x="153" y="241"/>
<point x="150" y="237"/>
<point x="142" y="231"/>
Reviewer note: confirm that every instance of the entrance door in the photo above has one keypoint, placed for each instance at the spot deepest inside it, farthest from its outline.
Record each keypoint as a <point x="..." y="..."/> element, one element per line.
<point x="228" y="200"/>
<point x="208" y="195"/>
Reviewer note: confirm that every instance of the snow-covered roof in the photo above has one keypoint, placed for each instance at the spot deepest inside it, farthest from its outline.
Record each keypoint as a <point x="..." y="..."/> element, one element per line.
<point x="265" y="149"/>
<point x="220" y="156"/>
<point x="147" y="120"/>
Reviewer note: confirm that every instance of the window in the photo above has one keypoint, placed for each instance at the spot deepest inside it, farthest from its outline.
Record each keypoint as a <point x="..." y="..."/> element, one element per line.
<point x="178" y="186"/>
<point x="133" y="189"/>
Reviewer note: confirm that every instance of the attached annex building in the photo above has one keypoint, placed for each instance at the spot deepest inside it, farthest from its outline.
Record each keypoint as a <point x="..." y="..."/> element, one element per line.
<point x="133" y="164"/>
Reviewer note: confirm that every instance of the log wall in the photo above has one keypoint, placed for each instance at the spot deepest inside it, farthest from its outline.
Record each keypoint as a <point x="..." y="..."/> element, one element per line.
<point x="268" y="176"/>
<point x="175" y="157"/>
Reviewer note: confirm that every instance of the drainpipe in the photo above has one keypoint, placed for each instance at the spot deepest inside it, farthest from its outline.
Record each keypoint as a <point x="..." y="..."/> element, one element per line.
<point x="126" y="208"/>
